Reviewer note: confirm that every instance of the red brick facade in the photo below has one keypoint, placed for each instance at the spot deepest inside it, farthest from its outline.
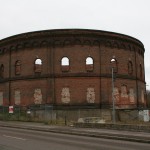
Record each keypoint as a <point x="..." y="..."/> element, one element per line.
<point x="25" y="81"/>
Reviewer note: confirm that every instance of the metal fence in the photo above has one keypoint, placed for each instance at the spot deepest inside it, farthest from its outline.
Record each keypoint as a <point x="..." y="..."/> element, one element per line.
<point x="46" y="113"/>
<point x="26" y="113"/>
<point x="52" y="115"/>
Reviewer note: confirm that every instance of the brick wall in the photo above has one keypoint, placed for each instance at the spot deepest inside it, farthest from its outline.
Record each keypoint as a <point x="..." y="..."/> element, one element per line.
<point x="77" y="84"/>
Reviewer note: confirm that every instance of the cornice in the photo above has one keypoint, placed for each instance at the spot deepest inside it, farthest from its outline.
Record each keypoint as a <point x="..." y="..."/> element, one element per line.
<point x="69" y="75"/>
<point x="69" y="37"/>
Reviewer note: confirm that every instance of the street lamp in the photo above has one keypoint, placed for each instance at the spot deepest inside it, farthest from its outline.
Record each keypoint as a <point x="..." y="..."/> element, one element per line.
<point x="113" y="61"/>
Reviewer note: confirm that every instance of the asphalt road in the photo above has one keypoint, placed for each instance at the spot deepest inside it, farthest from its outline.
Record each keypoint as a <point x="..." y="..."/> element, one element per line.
<point x="21" y="139"/>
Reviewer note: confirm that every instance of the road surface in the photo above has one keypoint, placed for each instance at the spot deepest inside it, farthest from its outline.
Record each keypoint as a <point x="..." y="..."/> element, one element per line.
<point x="21" y="139"/>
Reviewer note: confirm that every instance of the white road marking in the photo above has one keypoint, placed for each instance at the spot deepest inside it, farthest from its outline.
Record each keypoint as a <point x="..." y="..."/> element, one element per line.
<point x="13" y="137"/>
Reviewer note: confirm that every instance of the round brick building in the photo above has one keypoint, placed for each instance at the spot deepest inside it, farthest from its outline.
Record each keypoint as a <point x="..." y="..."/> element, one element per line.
<point x="72" y="69"/>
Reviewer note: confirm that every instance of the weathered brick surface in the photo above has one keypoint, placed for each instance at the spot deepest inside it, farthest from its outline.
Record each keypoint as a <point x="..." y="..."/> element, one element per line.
<point x="77" y="45"/>
<point x="78" y="88"/>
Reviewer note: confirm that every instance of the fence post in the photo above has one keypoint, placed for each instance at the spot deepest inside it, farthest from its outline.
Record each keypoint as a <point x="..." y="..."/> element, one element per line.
<point x="65" y="120"/>
<point x="3" y="114"/>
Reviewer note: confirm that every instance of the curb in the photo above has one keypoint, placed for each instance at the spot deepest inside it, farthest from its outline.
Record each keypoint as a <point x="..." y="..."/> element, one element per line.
<point x="83" y="133"/>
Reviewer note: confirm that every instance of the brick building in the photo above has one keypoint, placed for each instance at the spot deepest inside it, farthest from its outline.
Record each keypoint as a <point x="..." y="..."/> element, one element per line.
<point x="72" y="69"/>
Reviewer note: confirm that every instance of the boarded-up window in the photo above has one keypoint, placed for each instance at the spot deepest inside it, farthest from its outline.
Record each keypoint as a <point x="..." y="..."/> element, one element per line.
<point x="2" y="71"/>
<point x="1" y="98"/>
<point x="18" y="67"/>
<point x="130" y="68"/>
<point x="17" y="97"/>
<point x="65" y="95"/>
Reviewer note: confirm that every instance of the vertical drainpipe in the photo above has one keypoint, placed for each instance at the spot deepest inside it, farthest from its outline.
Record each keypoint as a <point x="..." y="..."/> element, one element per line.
<point x="144" y="69"/>
<point x="52" y="72"/>
<point x="9" y="76"/>
<point x="47" y="85"/>
<point x="100" y="75"/>
<point x="136" y="80"/>
<point x="144" y="79"/>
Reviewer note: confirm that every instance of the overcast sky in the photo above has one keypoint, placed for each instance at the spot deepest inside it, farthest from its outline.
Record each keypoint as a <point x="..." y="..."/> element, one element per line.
<point x="130" y="17"/>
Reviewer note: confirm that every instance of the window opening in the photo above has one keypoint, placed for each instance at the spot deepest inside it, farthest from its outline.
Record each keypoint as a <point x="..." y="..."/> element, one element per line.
<point x="89" y="64"/>
<point x="38" y="65"/>
<point x="65" y="64"/>
<point x="65" y="61"/>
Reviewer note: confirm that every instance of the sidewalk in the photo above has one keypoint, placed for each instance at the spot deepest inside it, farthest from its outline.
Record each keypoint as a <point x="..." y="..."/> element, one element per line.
<point x="142" y="137"/>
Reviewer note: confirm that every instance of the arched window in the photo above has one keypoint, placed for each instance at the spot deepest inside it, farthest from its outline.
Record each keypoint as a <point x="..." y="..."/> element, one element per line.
<point x="89" y="61"/>
<point x="18" y="67"/>
<point x="38" y="61"/>
<point x="38" y="65"/>
<point x="65" y="64"/>
<point x="2" y="71"/>
<point x="65" y="61"/>
<point x="140" y="71"/>
<point x="130" y="67"/>
<point x="89" y="64"/>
